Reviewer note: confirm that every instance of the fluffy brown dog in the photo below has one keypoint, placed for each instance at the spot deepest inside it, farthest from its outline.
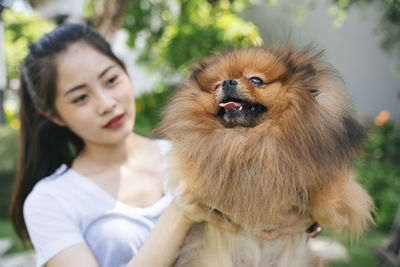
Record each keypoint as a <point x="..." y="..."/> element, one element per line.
<point x="266" y="137"/>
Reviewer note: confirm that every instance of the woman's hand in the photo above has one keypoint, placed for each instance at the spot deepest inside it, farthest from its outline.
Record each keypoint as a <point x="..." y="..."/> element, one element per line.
<point x="312" y="231"/>
<point x="200" y="212"/>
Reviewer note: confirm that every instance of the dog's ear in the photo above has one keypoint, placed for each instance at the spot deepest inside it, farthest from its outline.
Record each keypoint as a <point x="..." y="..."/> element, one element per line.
<point x="198" y="67"/>
<point x="347" y="142"/>
<point x="307" y="73"/>
<point x="355" y="132"/>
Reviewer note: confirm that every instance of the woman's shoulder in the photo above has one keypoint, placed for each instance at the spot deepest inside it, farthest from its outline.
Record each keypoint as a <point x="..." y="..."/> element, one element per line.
<point x="61" y="195"/>
<point x="62" y="186"/>
<point x="53" y="181"/>
<point x="47" y="200"/>
<point x="52" y="221"/>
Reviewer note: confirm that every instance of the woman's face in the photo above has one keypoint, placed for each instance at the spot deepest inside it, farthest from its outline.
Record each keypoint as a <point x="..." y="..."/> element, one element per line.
<point x="94" y="97"/>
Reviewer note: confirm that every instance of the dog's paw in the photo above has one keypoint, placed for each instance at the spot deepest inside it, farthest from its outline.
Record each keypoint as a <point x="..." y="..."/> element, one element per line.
<point x="344" y="206"/>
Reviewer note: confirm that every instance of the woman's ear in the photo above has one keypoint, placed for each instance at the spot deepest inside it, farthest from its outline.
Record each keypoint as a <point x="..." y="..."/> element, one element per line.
<point x="53" y="118"/>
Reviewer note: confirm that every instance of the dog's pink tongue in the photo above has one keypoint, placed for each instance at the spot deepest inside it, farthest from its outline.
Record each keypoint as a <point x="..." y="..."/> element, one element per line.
<point x="231" y="105"/>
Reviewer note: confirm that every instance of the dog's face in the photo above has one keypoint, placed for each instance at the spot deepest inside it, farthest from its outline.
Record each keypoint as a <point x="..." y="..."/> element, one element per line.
<point x="235" y="108"/>
<point x="248" y="87"/>
<point x="243" y="91"/>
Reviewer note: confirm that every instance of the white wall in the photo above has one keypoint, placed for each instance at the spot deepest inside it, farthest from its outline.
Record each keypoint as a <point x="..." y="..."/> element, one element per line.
<point x="354" y="50"/>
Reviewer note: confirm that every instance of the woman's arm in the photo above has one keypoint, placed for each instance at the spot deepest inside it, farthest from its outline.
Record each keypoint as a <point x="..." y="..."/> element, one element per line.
<point x="74" y="256"/>
<point x="162" y="246"/>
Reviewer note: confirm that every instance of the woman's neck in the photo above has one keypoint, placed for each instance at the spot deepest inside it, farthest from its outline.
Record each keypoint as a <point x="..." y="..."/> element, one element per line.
<point x="113" y="155"/>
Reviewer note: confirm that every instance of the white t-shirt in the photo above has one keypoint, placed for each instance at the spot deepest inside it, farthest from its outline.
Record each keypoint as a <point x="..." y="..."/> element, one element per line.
<point x="66" y="208"/>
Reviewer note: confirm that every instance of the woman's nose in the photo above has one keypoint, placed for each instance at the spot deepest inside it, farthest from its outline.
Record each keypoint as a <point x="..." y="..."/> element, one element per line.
<point x="105" y="103"/>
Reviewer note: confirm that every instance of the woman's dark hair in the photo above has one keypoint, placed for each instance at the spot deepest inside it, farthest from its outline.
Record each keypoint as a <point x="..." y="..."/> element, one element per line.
<point x="44" y="146"/>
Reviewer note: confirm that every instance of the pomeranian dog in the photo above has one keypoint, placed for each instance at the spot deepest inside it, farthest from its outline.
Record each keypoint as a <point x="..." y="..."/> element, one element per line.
<point x="266" y="138"/>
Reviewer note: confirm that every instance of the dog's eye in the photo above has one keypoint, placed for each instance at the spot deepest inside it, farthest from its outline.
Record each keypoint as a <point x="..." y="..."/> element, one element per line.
<point x="256" y="81"/>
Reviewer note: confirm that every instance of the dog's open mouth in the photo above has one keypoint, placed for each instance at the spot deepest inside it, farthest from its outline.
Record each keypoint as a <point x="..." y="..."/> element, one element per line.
<point x="239" y="112"/>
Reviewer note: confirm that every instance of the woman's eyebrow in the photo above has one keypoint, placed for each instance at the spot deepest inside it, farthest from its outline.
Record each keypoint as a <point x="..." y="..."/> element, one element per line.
<point x="83" y="85"/>
<point x="105" y="71"/>
<point x="74" y="89"/>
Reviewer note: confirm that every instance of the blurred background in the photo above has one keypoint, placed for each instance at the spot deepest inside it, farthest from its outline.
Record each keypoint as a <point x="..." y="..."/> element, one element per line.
<point x="160" y="39"/>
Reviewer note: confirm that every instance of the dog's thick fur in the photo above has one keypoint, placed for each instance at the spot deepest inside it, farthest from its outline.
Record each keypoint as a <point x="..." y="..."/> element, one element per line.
<point x="288" y="165"/>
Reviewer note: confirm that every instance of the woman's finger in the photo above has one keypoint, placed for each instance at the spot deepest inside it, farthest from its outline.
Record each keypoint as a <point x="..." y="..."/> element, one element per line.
<point x="200" y="212"/>
<point x="222" y="221"/>
<point x="286" y="230"/>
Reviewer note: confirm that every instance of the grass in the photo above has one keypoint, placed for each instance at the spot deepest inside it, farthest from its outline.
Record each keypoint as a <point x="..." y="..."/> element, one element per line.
<point x="7" y="231"/>
<point x="361" y="253"/>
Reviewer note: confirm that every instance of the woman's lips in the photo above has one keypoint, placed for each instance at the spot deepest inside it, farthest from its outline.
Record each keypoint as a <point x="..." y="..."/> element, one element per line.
<point x="115" y="122"/>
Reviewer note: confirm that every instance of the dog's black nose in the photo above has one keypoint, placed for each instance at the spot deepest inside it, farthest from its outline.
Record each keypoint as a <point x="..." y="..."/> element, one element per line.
<point x="229" y="84"/>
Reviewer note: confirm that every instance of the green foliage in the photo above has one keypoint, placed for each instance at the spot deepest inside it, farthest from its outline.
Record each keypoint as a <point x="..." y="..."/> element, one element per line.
<point x="176" y="33"/>
<point x="8" y="165"/>
<point x="10" y="109"/>
<point x="21" y="29"/>
<point x="360" y="254"/>
<point x="7" y="231"/>
<point x="148" y="109"/>
<point x="379" y="171"/>
<point x="89" y="8"/>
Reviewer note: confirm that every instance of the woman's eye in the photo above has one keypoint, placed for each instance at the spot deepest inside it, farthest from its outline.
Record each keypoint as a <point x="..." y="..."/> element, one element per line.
<point x="256" y="81"/>
<point x="112" y="80"/>
<point x="79" y="99"/>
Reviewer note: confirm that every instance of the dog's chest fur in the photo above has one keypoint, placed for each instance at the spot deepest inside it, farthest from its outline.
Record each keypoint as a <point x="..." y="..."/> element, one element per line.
<point x="249" y="189"/>
<point x="220" y="248"/>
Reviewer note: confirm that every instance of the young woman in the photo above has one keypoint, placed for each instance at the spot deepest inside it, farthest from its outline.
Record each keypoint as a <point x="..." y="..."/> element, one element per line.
<point x="89" y="192"/>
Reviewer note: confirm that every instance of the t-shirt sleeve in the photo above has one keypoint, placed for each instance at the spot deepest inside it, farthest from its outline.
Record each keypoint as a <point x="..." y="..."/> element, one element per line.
<point x="51" y="226"/>
<point x="165" y="146"/>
